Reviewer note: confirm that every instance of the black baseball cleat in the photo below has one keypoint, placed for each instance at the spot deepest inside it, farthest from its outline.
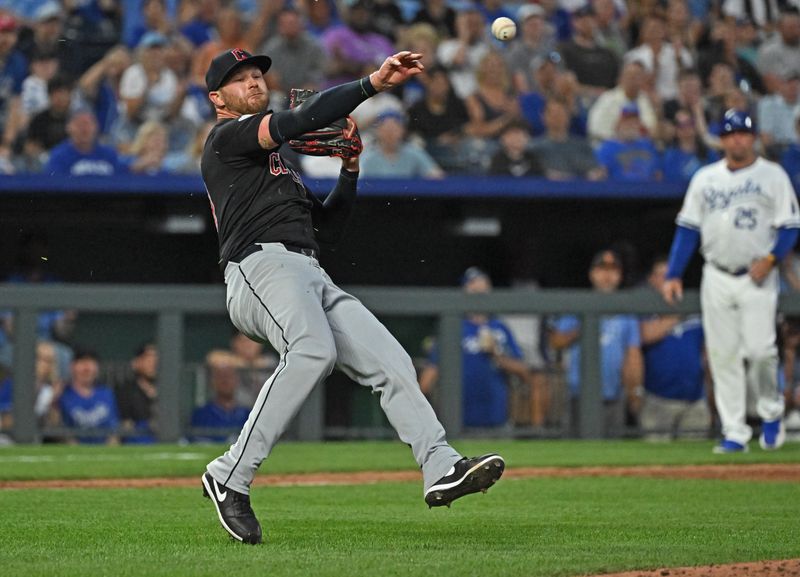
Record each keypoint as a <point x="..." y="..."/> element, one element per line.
<point x="233" y="510"/>
<point x="465" y="477"/>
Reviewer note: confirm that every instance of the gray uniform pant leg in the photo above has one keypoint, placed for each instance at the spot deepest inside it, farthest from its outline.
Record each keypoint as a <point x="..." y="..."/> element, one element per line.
<point x="287" y="299"/>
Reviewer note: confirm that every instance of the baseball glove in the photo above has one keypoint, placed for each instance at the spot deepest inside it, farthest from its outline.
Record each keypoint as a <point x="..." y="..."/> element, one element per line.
<point x="340" y="138"/>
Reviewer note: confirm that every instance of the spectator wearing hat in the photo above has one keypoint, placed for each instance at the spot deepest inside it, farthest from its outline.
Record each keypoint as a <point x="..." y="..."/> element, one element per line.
<point x="392" y="155"/>
<point x="621" y="366"/>
<point x="562" y="155"/>
<point x="605" y="112"/>
<point x="536" y="40"/>
<point x="631" y="155"/>
<point x="88" y="404"/>
<point x="45" y="34"/>
<point x="779" y="57"/>
<point x="13" y="71"/>
<point x="596" y="67"/>
<point x="515" y="156"/>
<point x="790" y="159"/>
<point x="354" y="47"/>
<point x="81" y="154"/>
<point x="775" y="132"/>
<point x="462" y="54"/>
<point x="490" y="359"/>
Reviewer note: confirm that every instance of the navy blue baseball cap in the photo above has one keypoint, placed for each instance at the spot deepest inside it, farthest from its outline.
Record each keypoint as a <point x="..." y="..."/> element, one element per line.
<point x="737" y="121"/>
<point x="473" y="273"/>
<point x="224" y="64"/>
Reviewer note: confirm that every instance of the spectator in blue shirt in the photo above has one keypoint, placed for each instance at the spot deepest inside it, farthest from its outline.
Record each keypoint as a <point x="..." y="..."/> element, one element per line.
<point x="490" y="357"/>
<point x="222" y="412"/>
<point x="81" y="154"/>
<point x="13" y="71"/>
<point x="620" y="353"/>
<point x="674" y="403"/>
<point x="631" y="156"/>
<point x="688" y="153"/>
<point x="86" y="404"/>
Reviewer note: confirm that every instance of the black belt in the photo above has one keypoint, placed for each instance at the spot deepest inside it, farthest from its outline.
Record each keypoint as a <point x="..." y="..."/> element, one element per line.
<point x="250" y="249"/>
<point x="734" y="272"/>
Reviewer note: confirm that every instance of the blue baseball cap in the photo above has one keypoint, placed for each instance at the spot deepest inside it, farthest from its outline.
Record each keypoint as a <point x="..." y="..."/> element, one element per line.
<point x="737" y="121"/>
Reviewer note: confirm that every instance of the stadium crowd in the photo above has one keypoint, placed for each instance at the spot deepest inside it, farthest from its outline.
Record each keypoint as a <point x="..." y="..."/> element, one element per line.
<point x="588" y="89"/>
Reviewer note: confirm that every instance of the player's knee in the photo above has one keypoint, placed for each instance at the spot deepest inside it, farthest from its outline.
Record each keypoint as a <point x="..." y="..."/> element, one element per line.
<point x="319" y="355"/>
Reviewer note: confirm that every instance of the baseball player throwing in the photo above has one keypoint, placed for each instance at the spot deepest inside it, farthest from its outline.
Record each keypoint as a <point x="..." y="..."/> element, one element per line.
<point x="743" y="212"/>
<point x="269" y="224"/>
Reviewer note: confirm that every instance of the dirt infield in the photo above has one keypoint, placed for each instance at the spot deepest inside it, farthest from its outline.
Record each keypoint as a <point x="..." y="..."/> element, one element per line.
<point x="758" y="472"/>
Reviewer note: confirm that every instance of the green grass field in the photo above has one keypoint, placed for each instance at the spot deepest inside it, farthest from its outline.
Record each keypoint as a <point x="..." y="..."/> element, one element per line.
<point x="522" y="527"/>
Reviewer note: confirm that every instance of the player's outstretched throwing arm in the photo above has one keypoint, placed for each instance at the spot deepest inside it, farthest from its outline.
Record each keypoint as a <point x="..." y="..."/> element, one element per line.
<point x="334" y="103"/>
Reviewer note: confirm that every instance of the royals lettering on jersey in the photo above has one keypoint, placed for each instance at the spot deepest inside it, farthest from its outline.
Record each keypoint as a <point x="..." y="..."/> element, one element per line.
<point x="738" y="212"/>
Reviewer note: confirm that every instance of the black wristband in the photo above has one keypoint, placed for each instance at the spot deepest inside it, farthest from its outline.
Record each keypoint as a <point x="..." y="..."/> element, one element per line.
<point x="366" y="87"/>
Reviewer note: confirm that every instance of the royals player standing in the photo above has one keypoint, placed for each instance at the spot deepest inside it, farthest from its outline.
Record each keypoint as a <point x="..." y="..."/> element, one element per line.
<point x="743" y="210"/>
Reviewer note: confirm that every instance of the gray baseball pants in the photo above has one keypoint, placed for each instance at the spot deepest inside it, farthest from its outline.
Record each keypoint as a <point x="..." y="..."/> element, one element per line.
<point x="287" y="299"/>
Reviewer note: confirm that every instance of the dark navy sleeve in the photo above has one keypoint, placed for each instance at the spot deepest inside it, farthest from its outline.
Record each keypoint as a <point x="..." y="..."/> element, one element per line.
<point x="238" y="137"/>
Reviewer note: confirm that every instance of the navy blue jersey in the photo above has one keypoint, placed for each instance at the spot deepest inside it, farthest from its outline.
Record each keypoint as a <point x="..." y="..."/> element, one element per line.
<point x="673" y="367"/>
<point x="256" y="195"/>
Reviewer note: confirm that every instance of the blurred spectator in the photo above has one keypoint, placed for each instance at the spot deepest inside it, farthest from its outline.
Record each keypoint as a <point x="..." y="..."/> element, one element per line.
<point x="199" y="26"/>
<point x="674" y="403"/>
<point x="253" y="364"/>
<point x="46" y="36"/>
<point x="536" y="40"/>
<point x="620" y="354"/>
<point x="137" y="396"/>
<point x="722" y="48"/>
<point x="460" y="55"/>
<point x="99" y="87"/>
<point x="515" y="156"/>
<point x="387" y="19"/>
<point x="721" y="82"/>
<point x="608" y="31"/>
<point x="155" y="18"/>
<point x="563" y="156"/>
<point x="661" y="59"/>
<point x="81" y="154"/>
<point x="494" y="104"/>
<point x="790" y="160"/>
<point x="748" y="39"/>
<point x="689" y="97"/>
<point x="422" y="39"/>
<point x="439" y="119"/>
<point x="148" y="153"/>
<point x="779" y="57"/>
<point x="553" y="81"/>
<point x="774" y="111"/>
<point x="490" y="357"/>
<point x="149" y="90"/>
<point x="392" y="155"/>
<point x="187" y="161"/>
<point x="297" y="57"/>
<point x="687" y="153"/>
<point x="49" y="127"/>
<point x="559" y="18"/>
<point x="493" y="9"/>
<point x="682" y="29"/>
<point x="87" y="404"/>
<point x="93" y="27"/>
<point x="43" y="67"/>
<point x="438" y="14"/>
<point x="320" y="15"/>
<point x="353" y="47"/>
<point x="596" y="67"/>
<point x="607" y="110"/>
<point x="13" y="71"/>
<point x="48" y="388"/>
<point x="223" y="411"/>
<point x="632" y="155"/>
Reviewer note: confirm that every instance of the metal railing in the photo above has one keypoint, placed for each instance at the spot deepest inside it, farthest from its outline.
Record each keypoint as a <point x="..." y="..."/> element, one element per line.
<point x="171" y="304"/>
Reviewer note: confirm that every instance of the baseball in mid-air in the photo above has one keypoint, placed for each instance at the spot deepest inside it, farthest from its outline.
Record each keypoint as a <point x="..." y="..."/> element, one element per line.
<point x="504" y="29"/>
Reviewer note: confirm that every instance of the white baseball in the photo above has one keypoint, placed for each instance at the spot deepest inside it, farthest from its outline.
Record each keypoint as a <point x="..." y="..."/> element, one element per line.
<point x="504" y="29"/>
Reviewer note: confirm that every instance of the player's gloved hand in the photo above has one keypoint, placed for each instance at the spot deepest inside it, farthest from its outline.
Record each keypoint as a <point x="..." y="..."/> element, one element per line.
<point x="672" y="290"/>
<point x="340" y="138"/>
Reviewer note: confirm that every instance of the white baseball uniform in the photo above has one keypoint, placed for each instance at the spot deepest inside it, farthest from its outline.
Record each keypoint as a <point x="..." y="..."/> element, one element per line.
<point x="738" y="214"/>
